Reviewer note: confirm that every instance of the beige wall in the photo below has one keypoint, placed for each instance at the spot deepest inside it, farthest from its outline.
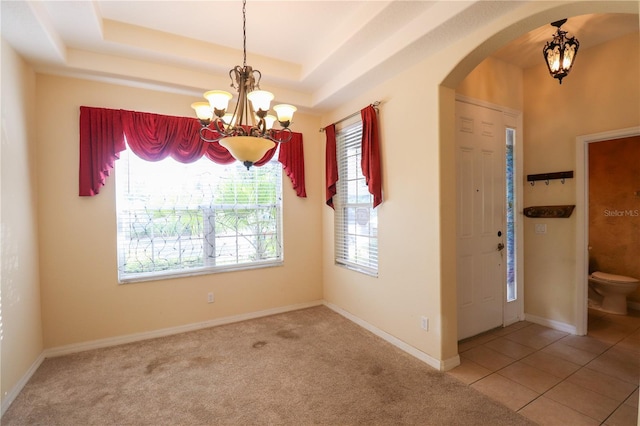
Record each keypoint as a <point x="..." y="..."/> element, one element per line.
<point x="494" y="81"/>
<point x="407" y="286"/>
<point x="20" y="322"/>
<point x="417" y="231"/>
<point x="596" y="97"/>
<point x="82" y="300"/>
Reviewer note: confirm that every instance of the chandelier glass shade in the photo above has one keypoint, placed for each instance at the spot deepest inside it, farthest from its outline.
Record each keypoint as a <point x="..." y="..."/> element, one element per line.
<point x="248" y="131"/>
<point x="560" y="53"/>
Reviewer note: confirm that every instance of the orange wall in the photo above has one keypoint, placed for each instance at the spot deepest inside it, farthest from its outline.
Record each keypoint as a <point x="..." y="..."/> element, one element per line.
<point x="614" y="207"/>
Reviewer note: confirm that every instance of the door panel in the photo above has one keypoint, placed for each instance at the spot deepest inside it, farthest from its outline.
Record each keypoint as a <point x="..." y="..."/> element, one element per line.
<point x="465" y="161"/>
<point x="465" y="293"/>
<point x="480" y="162"/>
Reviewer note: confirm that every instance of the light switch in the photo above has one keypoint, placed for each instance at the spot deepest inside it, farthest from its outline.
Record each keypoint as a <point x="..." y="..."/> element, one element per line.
<point x="541" y="228"/>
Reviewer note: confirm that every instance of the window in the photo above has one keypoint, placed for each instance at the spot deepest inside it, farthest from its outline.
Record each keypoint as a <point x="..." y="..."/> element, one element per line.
<point x="511" y="215"/>
<point x="179" y="219"/>
<point x="356" y="221"/>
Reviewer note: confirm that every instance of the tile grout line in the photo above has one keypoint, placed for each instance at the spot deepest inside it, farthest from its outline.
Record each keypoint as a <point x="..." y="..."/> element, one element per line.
<point x="581" y="367"/>
<point x="618" y="407"/>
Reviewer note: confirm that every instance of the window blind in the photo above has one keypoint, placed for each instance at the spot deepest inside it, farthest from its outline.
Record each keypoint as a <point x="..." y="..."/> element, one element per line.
<point x="356" y="222"/>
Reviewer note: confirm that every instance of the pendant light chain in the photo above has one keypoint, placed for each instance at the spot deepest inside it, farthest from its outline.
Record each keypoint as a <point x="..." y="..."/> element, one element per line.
<point x="244" y="32"/>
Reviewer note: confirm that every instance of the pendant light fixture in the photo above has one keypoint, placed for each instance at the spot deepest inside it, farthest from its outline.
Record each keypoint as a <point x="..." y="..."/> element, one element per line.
<point x="560" y="53"/>
<point x="247" y="132"/>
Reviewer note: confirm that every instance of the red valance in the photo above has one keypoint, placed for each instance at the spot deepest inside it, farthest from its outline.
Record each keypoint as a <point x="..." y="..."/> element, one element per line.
<point x="153" y="137"/>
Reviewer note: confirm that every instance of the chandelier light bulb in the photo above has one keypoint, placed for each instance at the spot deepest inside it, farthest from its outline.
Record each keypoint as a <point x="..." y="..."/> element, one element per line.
<point x="270" y="121"/>
<point x="218" y="99"/>
<point x="556" y="62"/>
<point x="285" y="113"/>
<point x="203" y="111"/>
<point x="260" y="99"/>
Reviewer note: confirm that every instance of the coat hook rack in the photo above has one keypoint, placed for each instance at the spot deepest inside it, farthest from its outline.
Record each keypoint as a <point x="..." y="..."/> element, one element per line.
<point x="550" y="176"/>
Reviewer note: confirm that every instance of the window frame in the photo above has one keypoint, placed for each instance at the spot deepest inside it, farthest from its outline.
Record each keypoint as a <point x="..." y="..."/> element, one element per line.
<point x="206" y="267"/>
<point x="352" y="183"/>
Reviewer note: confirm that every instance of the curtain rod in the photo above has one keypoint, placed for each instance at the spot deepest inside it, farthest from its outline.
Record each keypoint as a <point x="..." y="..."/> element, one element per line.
<point x="374" y="104"/>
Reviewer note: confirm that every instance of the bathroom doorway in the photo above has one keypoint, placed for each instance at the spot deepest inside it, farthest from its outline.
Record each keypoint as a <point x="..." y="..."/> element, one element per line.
<point x="617" y="210"/>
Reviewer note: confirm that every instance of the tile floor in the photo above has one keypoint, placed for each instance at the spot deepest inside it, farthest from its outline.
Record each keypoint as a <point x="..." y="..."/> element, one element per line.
<point x="555" y="378"/>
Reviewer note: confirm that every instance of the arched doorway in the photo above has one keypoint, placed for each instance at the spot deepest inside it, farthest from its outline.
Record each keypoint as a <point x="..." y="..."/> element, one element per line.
<point x="535" y="16"/>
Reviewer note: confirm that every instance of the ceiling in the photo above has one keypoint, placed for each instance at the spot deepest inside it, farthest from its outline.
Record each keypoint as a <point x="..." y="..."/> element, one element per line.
<point x="312" y="53"/>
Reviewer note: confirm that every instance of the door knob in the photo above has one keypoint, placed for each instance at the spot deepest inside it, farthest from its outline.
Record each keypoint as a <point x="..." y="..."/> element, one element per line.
<point x="500" y="246"/>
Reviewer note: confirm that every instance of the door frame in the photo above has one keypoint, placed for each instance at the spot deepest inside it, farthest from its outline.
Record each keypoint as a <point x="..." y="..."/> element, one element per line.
<point x="582" y="218"/>
<point x="511" y="311"/>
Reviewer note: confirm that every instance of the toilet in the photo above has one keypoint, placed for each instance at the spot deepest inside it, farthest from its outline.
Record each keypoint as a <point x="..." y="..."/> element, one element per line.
<point x="608" y="292"/>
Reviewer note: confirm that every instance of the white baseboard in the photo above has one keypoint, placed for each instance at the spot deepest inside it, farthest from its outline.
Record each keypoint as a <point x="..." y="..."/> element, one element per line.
<point x="556" y="325"/>
<point x="443" y="365"/>
<point x="450" y="363"/>
<point x="428" y="359"/>
<point x="130" y="338"/>
<point x="15" y="391"/>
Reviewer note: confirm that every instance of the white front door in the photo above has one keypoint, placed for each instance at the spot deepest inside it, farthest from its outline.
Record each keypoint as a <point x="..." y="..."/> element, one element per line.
<point x="480" y="145"/>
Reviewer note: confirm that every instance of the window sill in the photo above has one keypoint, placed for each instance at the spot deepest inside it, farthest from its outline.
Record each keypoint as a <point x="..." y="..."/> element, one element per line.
<point x="358" y="268"/>
<point x="158" y="276"/>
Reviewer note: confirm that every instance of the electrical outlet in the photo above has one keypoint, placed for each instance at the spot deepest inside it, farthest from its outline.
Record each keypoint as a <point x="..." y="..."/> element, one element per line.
<point x="540" y="228"/>
<point x="424" y="323"/>
<point x="210" y="298"/>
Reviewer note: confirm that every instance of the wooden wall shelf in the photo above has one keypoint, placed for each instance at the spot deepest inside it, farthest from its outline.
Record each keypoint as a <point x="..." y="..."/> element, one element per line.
<point x="549" y="211"/>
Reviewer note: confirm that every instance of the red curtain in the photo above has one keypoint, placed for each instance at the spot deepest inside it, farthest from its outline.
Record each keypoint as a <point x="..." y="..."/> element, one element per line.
<point x="370" y="164"/>
<point x="292" y="158"/>
<point x="153" y="137"/>
<point x="331" y="164"/>
<point x="371" y="153"/>
<point x="97" y="157"/>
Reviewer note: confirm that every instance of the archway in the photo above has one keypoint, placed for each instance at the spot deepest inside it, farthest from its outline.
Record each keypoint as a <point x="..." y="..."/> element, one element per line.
<point x="516" y="24"/>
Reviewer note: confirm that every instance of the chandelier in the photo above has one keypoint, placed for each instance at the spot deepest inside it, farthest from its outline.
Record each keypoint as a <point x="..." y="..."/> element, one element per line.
<point x="561" y="52"/>
<point x="248" y="132"/>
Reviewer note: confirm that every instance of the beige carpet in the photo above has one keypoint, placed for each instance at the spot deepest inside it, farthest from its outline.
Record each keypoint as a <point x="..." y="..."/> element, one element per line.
<point x="309" y="367"/>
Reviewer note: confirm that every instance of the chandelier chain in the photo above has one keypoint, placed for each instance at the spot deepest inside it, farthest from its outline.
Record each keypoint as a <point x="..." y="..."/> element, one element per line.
<point x="244" y="32"/>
